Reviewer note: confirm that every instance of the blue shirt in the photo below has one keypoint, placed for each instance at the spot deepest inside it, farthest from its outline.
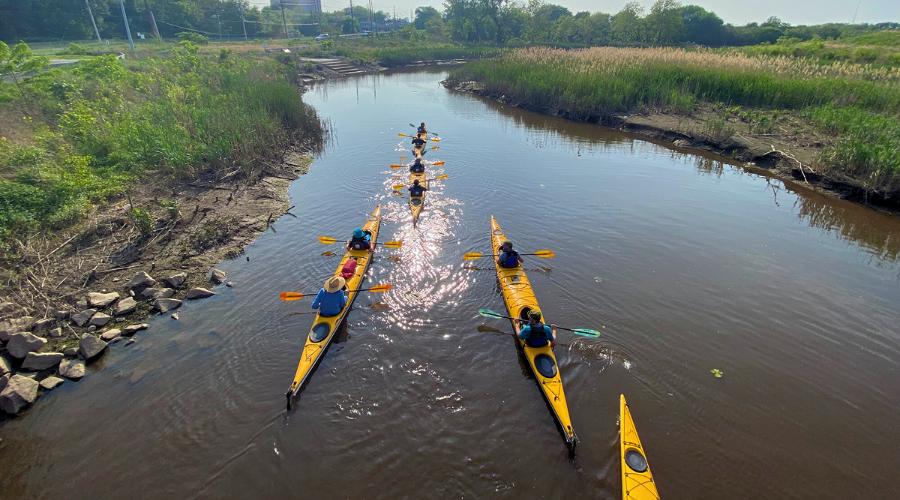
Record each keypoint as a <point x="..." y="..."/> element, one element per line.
<point x="330" y="304"/>
<point x="526" y="333"/>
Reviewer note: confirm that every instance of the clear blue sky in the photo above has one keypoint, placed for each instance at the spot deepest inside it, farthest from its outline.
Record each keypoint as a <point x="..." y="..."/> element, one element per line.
<point x="732" y="11"/>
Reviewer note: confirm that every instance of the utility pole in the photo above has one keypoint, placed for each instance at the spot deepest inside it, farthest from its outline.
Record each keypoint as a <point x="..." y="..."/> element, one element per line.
<point x="151" y="20"/>
<point x="127" y="29"/>
<point x="319" y="7"/>
<point x="94" y="24"/>
<point x="351" y="14"/>
<point x="284" y="20"/>
<point x="243" y="23"/>
<point x="219" y="20"/>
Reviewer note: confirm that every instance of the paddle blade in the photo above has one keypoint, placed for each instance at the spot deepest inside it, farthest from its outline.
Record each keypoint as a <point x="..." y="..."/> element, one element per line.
<point x="434" y="147"/>
<point x="437" y="163"/>
<point x="380" y="288"/>
<point x="398" y="186"/>
<point x="411" y="125"/>
<point x="490" y="314"/>
<point x="587" y="332"/>
<point x="291" y="296"/>
<point x="435" y="139"/>
<point x="441" y="177"/>
<point x="394" y="244"/>
<point x="326" y="240"/>
<point x="544" y="253"/>
<point x="403" y="135"/>
<point x="396" y="166"/>
<point x="472" y="256"/>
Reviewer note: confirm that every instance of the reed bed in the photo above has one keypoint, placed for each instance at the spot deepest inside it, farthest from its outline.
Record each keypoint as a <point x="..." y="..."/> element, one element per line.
<point x="591" y="83"/>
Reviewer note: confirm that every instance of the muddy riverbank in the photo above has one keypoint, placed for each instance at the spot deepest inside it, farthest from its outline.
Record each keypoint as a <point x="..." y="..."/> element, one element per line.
<point x="789" y="150"/>
<point x="54" y="292"/>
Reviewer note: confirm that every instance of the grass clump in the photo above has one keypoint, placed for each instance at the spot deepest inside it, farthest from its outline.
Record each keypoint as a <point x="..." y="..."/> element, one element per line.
<point x="81" y="136"/>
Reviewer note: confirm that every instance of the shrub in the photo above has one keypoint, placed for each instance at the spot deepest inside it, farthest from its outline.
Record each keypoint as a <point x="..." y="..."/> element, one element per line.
<point x="76" y="49"/>
<point x="192" y="37"/>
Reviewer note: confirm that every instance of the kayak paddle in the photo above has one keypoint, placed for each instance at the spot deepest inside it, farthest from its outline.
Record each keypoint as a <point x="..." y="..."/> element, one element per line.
<point x="390" y="244"/>
<point x="401" y="186"/>
<point x="580" y="331"/>
<point x="540" y="253"/>
<point x="435" y="164"/>
<point x="288" y="296"/>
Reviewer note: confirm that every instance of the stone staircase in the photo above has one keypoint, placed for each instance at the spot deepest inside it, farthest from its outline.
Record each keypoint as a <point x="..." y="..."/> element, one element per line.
<point x="341" y="67"/>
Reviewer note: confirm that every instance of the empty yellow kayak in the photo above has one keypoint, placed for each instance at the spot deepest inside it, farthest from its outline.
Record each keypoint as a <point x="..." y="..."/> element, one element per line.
<point x="519" y="299"/>
<point x="324" y="327"/>
<point x="637" y="482"/>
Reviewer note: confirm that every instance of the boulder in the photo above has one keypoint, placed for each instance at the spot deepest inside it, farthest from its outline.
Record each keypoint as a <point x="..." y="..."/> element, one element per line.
<point x="140" y="281"/>
<point x="126" y="306"/>
<point x="19" y="392"/>
<point x="42" y="326"/>
<point x="83" y="317"/>
<point x="217" y="276"/>
<point x="198" y="293"/>
<point x="177" y="280"/>
<point x="4" y="380"/>
<point x="36" y="361"/>
<point x="81" y="304"/>
<point x="101" y="300"/>
<point x="20" y="344"/>
<point x="116" y="340"/>
<point x="15" y="325"/>
<point x="72" y="369"/>
<point x="110" y="334"/>
<point x="157" y="293"/>
<point x="71" y="352"/>
<point x="56" y="333"/>
<point x="50" y="383"/>
<point x="132" y="329"/>
<point x="100" y="319"/>
<point x="90" y="347"/>
<point x="166" y="305"/>
<point x="5" y="367"/>
<point x="681" y="143"/>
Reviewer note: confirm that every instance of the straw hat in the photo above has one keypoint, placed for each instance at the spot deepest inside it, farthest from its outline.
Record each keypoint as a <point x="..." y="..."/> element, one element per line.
<point x="334" y="284"/>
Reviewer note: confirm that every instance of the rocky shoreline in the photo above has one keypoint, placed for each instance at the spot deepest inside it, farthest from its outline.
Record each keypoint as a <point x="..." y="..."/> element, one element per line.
<point x="790" y="153"/>
<point x="77" y="293"/>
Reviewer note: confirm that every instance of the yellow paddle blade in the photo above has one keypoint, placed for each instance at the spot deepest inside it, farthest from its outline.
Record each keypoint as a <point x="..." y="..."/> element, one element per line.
<point x="441" y="177"/>
<point x="472" y="256"/>
<point x="437" y="163"/>
<point x="326" y="240"/>
<point x="291" y="295"/>
<point x="381" y="288"/>
<point x="396" y="166"/>
<point x="398" y="186"/>
<point x="544" y="253"/>
<point x="435" y="139"/>
<point x="403" y="135"/>
<point x="394" y="244"/>
<point x="434" y="147"/>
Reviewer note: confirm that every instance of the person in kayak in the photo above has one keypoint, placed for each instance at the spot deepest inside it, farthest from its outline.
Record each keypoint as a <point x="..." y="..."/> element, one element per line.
<point x="417" y="189"/>
<point x="361" y="240"/>
<point x="535" y="333"/>
<point x="417" y="167"/>
<point x="507" y="257"/>
<point x="418" y="142"/>
<point x="330" y="300"/>
<point x="422" y="129"/>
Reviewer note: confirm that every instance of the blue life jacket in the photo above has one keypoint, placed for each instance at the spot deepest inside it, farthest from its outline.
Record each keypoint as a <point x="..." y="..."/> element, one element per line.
<point x="535" y="341"/>
<point x="416" y="190"/>
<point x="509" y="258"/>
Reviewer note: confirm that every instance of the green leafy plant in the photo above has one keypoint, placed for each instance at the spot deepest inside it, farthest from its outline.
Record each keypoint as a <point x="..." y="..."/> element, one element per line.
<point x="141" y="220"/>
<point x="20" y="59"/>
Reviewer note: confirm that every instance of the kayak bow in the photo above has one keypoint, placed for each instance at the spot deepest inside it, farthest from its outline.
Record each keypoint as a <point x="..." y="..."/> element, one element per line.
<point x="637" y="482"/>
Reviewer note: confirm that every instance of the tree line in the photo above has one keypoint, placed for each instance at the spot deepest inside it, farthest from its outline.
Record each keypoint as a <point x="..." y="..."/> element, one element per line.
<point x="666" y="22"/>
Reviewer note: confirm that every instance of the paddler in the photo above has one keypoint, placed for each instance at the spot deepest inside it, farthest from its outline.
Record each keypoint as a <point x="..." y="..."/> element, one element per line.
<point x="506" y="256"/>
<point x="417" y="189"/>
<point x="330" y="300"/>
<point x="418" y="142"/>
<point x="422" y="129"/>
<point x="535" y="333"/>
<point x="417" y="167"/>
<point x="361" y="240"/>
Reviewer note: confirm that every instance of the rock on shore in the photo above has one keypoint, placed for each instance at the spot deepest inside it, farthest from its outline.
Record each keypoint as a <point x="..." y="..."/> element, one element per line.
<point x="20" y="344"/>
<point x="19" y="392"/>
<point x="36" y="361"/>
<point x="72" y="369"/>
<point x="90" y="347"/>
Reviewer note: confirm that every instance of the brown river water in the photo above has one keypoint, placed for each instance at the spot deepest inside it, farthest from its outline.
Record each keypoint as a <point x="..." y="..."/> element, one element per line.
<point x="686" y="263"/>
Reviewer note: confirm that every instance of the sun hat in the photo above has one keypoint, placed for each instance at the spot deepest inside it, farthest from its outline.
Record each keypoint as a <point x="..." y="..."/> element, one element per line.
<point x="334" y="284"/>
<point x="534" y="314"/>
<point x="506" y="243"/>
<point x="358" y="233"/>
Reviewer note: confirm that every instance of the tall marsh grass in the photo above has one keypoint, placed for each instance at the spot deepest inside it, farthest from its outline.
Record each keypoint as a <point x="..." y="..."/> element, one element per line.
<point x="82" y="135"/>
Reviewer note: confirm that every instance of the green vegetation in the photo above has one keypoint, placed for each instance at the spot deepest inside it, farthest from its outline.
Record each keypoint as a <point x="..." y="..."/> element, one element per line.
<point x="858" y="103"/>
<point x="74" y="138"/>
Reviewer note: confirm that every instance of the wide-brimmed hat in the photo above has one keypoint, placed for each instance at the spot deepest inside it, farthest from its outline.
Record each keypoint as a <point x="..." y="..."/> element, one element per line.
<point x="506" y="243"/>
<point x="334" y="284"/>
<point x="358" y="233"/>
<point x="534" y="314"/>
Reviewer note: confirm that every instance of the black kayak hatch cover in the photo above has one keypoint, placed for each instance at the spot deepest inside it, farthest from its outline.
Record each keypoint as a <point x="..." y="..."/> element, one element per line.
<point x="319" y="332"/>
<point x="545" y="365"/>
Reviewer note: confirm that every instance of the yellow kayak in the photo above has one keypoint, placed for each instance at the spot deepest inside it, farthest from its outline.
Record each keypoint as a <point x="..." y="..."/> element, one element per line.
<point x="419" y="150"/>
<point x="637" y="482"/>
<point x="519" y="299"/>
<point x="416" y="202"/>
<point x="324" y="327"/>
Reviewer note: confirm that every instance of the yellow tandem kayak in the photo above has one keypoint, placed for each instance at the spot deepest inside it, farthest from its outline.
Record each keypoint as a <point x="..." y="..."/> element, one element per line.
<point x="416" y="202"/>
<point x="519" y="299"/>
<point x="637" y="482"/>
<point x="324" y="327"/>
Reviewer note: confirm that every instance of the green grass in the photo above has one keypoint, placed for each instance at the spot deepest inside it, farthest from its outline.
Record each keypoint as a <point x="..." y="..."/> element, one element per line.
<point x="83" y="135"/>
